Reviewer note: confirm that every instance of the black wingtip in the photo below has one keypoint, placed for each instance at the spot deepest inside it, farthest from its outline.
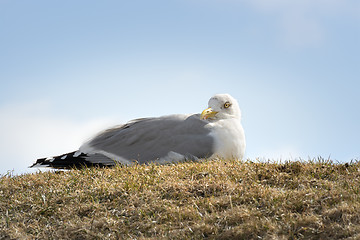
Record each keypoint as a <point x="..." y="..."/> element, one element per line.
<point x="38" y="163"/>
<point x="64" y="161"/>
<point x="74" y="160"/>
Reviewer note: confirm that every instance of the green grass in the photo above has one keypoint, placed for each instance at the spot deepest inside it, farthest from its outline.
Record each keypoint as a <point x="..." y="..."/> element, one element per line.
<point x="211" y="199"/>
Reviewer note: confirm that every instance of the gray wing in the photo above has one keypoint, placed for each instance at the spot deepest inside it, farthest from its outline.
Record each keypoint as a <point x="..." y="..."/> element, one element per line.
<point x="150" y="139"/>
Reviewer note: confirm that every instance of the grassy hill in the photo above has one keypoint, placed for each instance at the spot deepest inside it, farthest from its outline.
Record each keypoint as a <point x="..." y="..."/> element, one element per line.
<point x="211" y="199"/>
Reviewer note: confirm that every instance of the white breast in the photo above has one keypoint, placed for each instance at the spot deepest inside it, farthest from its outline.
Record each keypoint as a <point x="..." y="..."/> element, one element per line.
<point x="229" y="139"/>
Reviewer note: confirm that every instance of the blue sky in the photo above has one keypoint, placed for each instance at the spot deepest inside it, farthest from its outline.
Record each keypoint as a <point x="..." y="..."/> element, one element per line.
<point x="71" y="68"/>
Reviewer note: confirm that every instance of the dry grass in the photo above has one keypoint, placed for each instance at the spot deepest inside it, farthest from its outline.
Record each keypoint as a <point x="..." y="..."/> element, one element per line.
<point x="211" y="199"/>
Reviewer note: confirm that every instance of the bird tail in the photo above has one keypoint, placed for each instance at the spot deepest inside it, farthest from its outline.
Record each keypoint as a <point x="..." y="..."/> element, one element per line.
<point x="74" y="160"/>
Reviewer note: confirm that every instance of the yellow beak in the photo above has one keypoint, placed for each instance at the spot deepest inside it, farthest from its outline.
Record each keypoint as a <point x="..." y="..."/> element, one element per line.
<point x="208" y="113"/>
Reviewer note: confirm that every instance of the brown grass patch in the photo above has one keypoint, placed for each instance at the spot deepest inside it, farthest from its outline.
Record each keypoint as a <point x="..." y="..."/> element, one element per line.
<point x="211" y="199"/>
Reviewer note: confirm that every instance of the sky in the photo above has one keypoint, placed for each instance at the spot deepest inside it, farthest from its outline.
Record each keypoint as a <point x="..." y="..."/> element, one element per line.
<point x="69" y="69"/>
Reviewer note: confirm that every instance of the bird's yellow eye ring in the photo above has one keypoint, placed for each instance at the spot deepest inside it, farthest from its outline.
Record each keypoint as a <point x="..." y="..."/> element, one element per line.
<point x="227" y="105"/>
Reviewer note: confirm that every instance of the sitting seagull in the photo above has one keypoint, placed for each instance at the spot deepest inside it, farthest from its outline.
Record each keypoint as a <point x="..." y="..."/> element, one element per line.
<point x="216" y="132"/>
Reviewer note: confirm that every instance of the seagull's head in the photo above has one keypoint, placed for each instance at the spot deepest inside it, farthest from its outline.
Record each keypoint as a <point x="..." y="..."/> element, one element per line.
<point x="222" y="106"/>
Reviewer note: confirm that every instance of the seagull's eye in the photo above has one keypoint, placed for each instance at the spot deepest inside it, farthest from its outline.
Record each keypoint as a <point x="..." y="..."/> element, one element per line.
<point x="227" y="105"/>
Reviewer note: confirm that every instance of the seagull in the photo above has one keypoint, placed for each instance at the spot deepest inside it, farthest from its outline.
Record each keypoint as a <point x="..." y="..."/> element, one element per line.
<point x="215" y="133"/>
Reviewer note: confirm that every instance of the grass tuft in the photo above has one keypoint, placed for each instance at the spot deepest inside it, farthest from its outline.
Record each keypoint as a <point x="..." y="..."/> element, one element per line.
<point x="220" y="199"/>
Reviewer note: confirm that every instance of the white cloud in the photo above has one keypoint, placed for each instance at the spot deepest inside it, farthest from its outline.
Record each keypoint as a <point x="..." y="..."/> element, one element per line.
<point x="299" y="31"/>
<point x="28" y="132"/>
<point x="302" y="23"/>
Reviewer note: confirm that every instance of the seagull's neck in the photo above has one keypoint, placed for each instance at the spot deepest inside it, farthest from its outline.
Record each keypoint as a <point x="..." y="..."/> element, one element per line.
<point x="231" y="118"/>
